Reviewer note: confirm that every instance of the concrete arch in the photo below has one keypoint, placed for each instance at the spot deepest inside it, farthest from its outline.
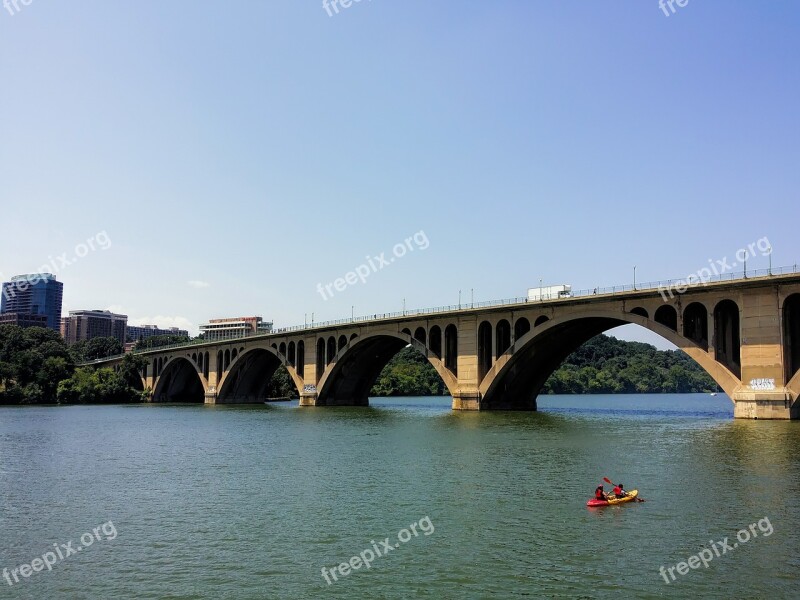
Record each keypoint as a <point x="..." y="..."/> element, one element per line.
<point x="791" y="343"/>
<point x="502" y="337"/>
<point x="435" y="341"/>
<point x="793" y="387"/>
<point x="180" y="382"/>
<point x="695" y="323"/>
<point x="246" y="381"/>
<point x="518" y="376"/>
<point x="356" y="367"/>
<point x="521" y="327"/>
<point x="728" y="335"/>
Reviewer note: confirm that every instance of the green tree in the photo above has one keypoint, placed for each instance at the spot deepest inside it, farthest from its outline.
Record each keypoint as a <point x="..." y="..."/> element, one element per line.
<point x="96" y="348"/>
<point x="606" y="365"/>
<point x="32" y="362"/>
<point x="96" y="386"/>
<point x="158" y="341"/>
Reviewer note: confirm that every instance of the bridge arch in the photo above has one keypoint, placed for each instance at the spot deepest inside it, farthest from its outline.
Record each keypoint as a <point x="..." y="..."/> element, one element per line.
<point x="179" y="382"/>
<point x="521" y="327"/>
<point x="356" y="368"/>
<point x="451" y="349"/>
<point x="791" y="342"/>
<point x="331" y="349"/>
<point x="484" y="348"/>
<point x="667" y="316"/>
<point x="695" y="324"/>
<point x="435" y="340"/>
<point x="727" y="339"/>
<point x="519" y="375"/>
<point x="503" y="337"/>
<point x="300" y="363"/>
<point x="247" y="380"/>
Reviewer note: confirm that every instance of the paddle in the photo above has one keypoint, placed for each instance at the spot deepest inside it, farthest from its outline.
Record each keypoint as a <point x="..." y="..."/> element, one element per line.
<point x="608" y="481"/>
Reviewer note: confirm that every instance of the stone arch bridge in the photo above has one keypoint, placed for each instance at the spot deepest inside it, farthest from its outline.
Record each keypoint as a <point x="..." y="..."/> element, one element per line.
<point x="745" y="333"/>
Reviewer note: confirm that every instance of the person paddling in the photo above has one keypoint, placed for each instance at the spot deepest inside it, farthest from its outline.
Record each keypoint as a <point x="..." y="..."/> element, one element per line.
<point x="619" y="491"/>
<point x="599" y="494"/>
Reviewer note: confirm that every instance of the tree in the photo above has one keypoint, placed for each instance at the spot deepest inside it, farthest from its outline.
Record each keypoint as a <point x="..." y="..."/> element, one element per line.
<point x="96" y="348"/>
<point x="96" y="386"/>
<point x="606" y="365"/>
<point x="32" y="362"/>
<point x="158" y="341"/>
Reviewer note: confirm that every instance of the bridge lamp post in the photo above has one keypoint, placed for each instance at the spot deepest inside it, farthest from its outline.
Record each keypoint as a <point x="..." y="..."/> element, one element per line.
<point x="541" y="298"/>
<point x="352" y="312"/>
<point x="459" y="299"/>
<point x="770" y="259"/>
<point x="634" y="278"/>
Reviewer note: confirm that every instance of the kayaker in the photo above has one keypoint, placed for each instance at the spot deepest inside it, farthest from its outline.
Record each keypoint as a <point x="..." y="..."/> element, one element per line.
<point x="599" y="494"/>
<point x="619" y="491"/>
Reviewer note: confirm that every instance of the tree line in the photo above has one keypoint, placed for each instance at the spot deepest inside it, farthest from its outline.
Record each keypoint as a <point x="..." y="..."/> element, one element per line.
<point x="603" y="365"/>
<point x="37" y="367"/>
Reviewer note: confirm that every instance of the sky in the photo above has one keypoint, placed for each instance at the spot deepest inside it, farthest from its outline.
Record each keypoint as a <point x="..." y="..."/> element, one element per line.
<point x="179" y="161"/>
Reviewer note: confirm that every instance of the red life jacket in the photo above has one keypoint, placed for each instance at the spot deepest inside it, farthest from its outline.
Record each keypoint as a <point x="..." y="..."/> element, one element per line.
<point x="618" y="491"/>
<point x="598" y="494"/>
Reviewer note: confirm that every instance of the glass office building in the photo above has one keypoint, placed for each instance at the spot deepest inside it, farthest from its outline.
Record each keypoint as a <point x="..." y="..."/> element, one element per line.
<point x="34" y="294"/>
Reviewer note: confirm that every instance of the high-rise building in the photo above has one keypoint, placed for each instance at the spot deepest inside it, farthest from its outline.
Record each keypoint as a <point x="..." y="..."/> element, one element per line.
<point x="88" y="324"/>
<point x="223" y="329"/>
<point x="34" y="294"/>
<point x="23" y="320"/>
<point x="140" y="332"/>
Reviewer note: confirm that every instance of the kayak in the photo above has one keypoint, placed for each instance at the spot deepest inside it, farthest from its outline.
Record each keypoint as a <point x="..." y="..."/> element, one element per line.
<point x="630" y="496"/>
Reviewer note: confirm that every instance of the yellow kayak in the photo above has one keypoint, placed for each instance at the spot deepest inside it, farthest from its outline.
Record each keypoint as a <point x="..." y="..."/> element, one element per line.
<point x="629" y="496"/>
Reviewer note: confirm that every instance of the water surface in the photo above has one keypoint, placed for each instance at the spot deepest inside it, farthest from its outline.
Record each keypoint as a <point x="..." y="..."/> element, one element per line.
<point x="252" y="502"/>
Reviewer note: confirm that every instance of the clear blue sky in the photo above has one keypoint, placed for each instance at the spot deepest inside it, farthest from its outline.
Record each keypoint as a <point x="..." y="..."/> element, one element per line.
<point x="260" y="148"/>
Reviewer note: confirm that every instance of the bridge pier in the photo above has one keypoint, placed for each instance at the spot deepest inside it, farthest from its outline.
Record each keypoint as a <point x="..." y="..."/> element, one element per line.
<point x="467" y="400"/>
<point x="308" y="399"/>
<point x="769" y="406"/>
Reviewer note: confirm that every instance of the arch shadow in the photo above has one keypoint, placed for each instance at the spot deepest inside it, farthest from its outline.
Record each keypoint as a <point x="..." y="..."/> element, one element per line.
<point x="249" y="375"/>
<point x="180" y="382"/>
<point x="518" y="376"/>
<point x="356" y="368"/>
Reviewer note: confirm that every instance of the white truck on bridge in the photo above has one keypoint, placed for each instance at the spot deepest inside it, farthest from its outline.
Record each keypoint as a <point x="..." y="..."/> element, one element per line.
<point x="551" y="292"/>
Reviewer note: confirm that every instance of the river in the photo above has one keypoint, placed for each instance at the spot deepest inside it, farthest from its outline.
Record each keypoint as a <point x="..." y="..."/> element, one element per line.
<point x="254" y="501"/>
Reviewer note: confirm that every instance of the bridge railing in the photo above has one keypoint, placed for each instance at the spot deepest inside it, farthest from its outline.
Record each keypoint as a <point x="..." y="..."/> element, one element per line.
<point x="665" y="285"/>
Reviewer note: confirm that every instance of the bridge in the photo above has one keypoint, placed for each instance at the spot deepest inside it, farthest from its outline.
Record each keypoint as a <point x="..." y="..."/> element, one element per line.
<point x="744" y="332"/>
